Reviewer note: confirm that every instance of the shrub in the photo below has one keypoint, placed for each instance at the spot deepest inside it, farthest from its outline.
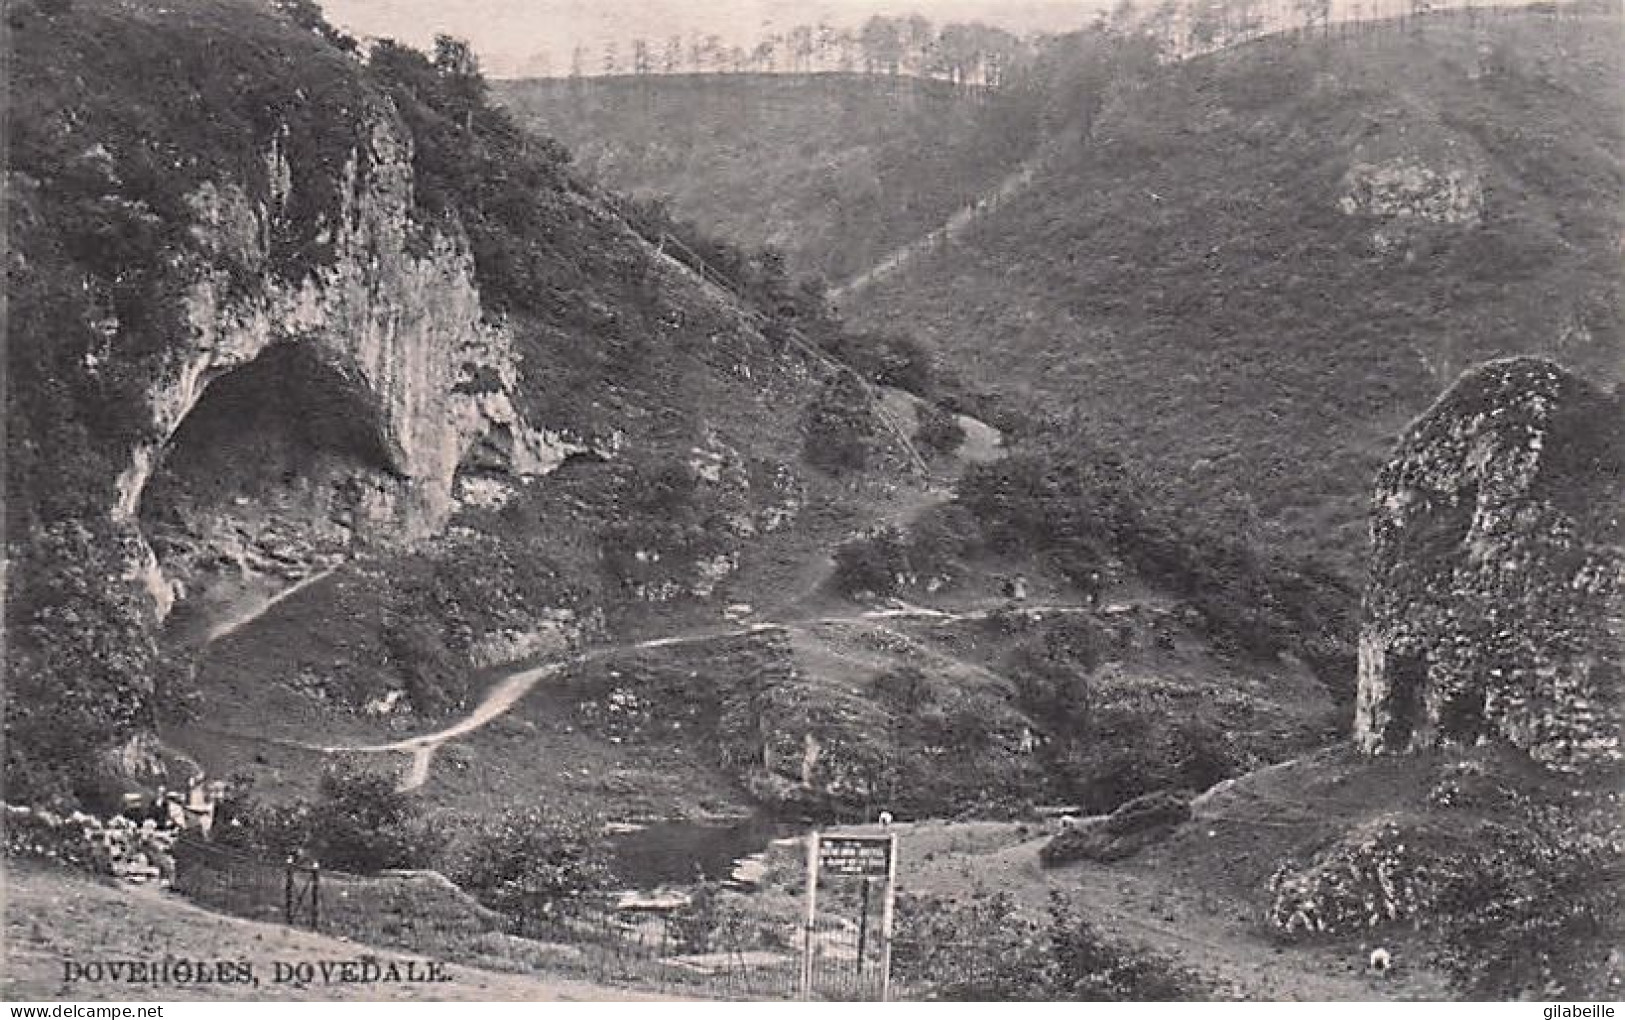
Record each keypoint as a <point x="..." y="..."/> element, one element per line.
<point x="905" y="689"/>
<point x="665" y="524"/>
<point x="939" y="539"/>
<point x="939" y="431"/>
<point x="531" y="862"/>
<point x="1078" y="506"/>
<point x="838" y="426"/>
<point x="1372" y="877"/>
<point x="362" y="823"/>
<point x="885" y="359"/>
<point x="1055" y="694"/>
<point x="82" y="671"/>
<point x="876" y="562"/>
<point x="1127" y="752"/>
<point x="989" y="950"/>
<point x="1090" y="967"/>
<point x="1051" y="672"/>
<point x="1132" y="827"/>
<point x="1154" y="810"/>
<point x="435" y="681"/>
<point x="359" y="822"/>
<point x="1537" y="914"/>
<point x="712" y="922"/>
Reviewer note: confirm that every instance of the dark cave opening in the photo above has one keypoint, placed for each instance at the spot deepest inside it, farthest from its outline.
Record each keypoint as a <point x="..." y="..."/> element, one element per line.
<point x="1407" y="682"/>
<point x="264" y="480"/>
<point x="1461" y="718"/>
<point x="261" y="428"/>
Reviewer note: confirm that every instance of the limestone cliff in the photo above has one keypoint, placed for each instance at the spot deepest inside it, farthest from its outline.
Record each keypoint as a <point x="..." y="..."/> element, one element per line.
<point x="360" y="387"/>
<point x="1495" y="606"/>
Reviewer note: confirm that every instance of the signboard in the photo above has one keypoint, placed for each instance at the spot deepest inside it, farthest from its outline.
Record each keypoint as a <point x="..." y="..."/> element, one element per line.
<point x="855" y="856"/>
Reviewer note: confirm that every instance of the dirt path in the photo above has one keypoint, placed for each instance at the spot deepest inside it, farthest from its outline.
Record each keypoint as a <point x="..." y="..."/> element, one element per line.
<point x="511" y="689"/>
<point x="505" y="694"/>
<point x="232" y="626"/>
<point x="1009" y="187"/>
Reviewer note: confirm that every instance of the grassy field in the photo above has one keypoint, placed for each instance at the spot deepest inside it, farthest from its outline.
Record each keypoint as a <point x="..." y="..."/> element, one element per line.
<point x="56" y="918"/>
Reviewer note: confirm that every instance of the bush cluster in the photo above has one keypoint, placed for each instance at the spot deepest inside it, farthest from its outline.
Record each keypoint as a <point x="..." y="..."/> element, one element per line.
<point x="116" y="847"/>
<point x="82" y="670"/>
<point x="939" y="430"/>
<point x="530" y="862"/>
<point x="989" y="950"/>
<point x="885" y="560"/>
<point x="877" y="563"/>
<point x="839" y="426"/>
<point x="1079" y="506"/>
<point x="359" y="822"/>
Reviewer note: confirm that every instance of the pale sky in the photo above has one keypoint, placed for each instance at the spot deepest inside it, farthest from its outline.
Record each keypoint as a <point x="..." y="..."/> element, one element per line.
<point x="512" y="35"/>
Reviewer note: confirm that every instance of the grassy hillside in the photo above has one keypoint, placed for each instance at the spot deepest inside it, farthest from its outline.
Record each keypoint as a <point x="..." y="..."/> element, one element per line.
<point x="1488" y="825"/>
<point x="833" y="170"/>
<point x="54" y="915"/>
<point x="1260" y="264"/>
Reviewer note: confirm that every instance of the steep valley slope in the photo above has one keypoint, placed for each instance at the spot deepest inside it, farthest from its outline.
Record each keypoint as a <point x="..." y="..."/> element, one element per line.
<point x="1243" y="271"/>
<point x="833" y="170"/>
<point x="349" y="424"/>
<point x="1262" y="262"/>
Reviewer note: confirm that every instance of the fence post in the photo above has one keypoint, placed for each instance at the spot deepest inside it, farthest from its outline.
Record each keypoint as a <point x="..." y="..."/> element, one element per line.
<point x="811" y="917"/>
<point x="316" y="896"/>
<point x="888" y="915"/>
<point x="660" y="960"/>
<point x="863" y="926"/>
<point x="287" y="892"/>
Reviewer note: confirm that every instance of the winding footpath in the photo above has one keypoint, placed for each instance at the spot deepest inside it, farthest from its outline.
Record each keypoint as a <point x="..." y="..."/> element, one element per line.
<point x="504" y="695"/>
<point x="232" y="626"/>
<point x="511" y="689"/>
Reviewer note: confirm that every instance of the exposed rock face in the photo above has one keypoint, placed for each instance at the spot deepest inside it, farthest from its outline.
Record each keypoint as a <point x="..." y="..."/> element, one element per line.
<point x="300" y="419"/>
<point x="1403" y="189"/>
<point x="1495" y="605"/>
<point x="1406" y="196"/>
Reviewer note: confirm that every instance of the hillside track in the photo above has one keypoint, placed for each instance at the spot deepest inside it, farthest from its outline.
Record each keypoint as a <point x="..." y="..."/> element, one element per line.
<point x="1010" y="187"/>
<point x="510" y="690"/>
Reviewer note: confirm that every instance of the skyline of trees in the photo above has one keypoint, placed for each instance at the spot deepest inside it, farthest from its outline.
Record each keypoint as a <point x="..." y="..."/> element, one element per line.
<point x="961" y="53"/>
<point x="975" y="54"/>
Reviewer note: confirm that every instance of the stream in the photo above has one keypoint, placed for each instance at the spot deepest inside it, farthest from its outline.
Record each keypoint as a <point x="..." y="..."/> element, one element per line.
<point x="679" y="853"/>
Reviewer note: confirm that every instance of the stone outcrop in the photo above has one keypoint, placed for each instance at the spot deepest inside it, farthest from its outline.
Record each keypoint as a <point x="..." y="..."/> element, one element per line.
<point x="1495" y="606"/>
<point x="1406" y="189"/>
<point x="1142" y="822"/>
